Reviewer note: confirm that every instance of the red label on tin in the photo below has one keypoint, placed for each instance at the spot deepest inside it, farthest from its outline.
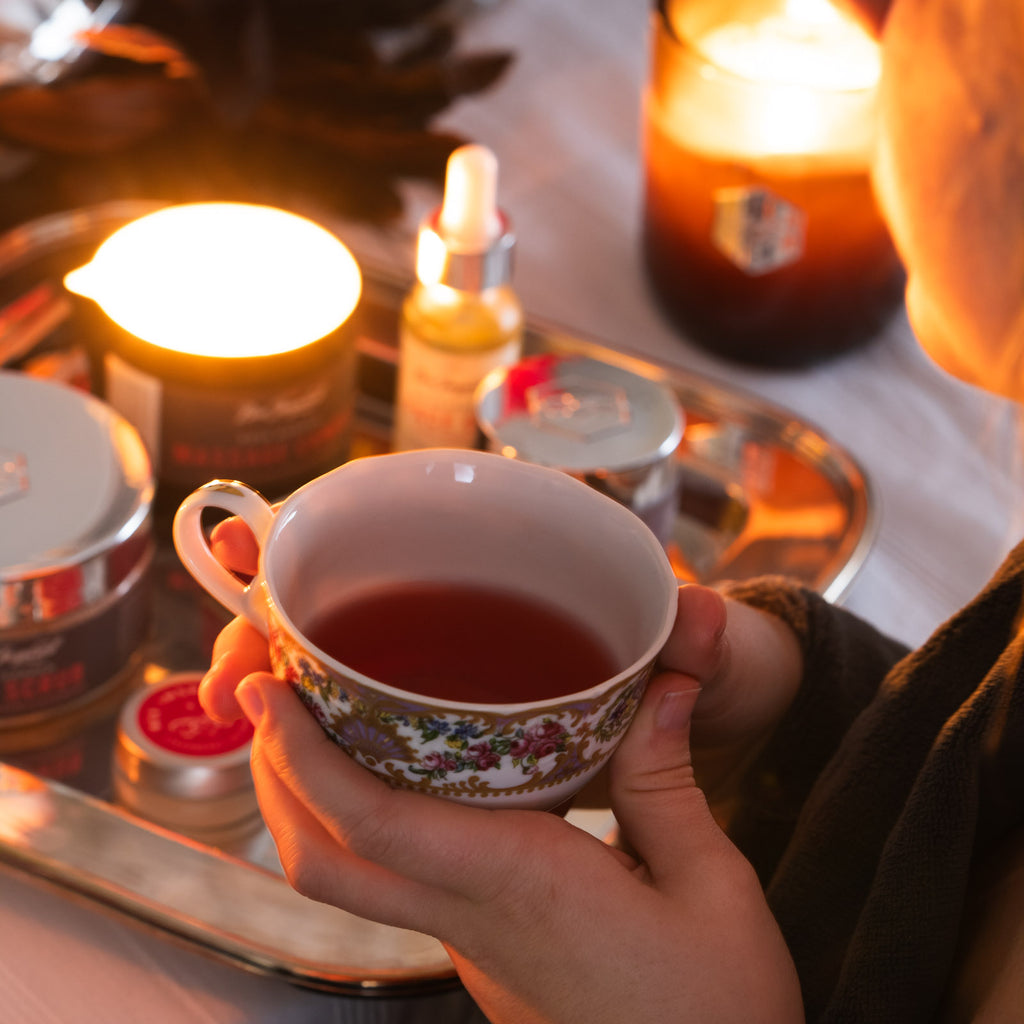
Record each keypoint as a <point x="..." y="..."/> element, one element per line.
<point x="172" y="718"/>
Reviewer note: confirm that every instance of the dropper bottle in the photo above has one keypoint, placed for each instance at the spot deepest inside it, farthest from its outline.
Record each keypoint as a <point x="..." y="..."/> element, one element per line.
<point x="462" y="318"/>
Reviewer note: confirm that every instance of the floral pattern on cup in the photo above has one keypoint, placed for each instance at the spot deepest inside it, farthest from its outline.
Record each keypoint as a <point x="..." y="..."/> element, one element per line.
<point x="457" y="751"/>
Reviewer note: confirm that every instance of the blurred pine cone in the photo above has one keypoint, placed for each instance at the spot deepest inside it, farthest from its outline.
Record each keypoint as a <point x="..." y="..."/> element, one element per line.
<point x="314" y="104"/>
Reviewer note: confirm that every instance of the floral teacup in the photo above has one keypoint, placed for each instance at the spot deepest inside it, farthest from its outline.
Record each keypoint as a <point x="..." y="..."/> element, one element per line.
<point x="452" y="518"/>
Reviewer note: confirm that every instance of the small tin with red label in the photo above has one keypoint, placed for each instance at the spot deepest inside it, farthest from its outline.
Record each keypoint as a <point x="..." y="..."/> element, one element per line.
<point x="176" y="767"/>
<point x="76" y="547"/>
<point x="613" y="429"/>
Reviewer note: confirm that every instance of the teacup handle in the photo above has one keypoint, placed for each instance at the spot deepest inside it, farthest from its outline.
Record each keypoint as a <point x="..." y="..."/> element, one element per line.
<point x="247" y="600"/>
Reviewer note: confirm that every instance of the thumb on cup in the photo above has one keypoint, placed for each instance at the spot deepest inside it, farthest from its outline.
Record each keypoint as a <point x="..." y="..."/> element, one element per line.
<point x="717" y="908"/>
<point x="662" y="812"/>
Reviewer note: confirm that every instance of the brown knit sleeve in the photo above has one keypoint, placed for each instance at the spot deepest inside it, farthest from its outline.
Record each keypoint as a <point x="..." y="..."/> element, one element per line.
<point x="845" y="661"/>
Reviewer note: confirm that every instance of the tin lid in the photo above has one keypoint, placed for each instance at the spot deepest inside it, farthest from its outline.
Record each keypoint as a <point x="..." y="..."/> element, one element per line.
<point x="578" y="414"/>
<point x="176" y="766"/>
<point x="76" y="490"/>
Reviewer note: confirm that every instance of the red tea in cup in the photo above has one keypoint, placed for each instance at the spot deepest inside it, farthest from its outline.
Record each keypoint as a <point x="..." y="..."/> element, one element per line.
<point x="463" y="643"/>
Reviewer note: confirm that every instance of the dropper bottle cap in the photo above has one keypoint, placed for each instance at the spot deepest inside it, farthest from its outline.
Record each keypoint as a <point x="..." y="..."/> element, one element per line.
<point x="467" y="242"/>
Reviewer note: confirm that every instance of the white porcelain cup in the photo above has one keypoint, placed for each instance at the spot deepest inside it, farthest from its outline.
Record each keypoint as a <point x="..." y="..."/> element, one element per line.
<point x="461" y="519"/>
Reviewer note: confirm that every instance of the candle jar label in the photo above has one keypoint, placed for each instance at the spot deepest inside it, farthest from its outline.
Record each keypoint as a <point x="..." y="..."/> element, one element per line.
<point x="282" y="432"/>
<point x="757" y="230"/>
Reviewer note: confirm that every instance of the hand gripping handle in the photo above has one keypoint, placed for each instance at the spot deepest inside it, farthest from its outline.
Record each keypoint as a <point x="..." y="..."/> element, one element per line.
<point x="247" y="600"/>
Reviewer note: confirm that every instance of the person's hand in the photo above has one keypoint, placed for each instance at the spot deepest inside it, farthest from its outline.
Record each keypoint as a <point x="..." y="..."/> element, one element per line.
<point x="543" y="922"/>
<point x="749" y="666"/>
<point x="239" y="649"/>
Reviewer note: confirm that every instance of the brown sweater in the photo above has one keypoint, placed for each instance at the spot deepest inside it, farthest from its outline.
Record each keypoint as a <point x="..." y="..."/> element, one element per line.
<point x="892" y="781"/>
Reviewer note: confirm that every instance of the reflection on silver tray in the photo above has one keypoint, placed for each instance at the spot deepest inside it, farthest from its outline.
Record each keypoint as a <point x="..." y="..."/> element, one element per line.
<point x="763" y="492"/>
<point x="244" y="913"/>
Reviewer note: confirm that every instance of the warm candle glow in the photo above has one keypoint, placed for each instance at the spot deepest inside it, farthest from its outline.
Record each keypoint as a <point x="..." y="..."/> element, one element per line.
<point x="223" y="279"/>
<point x="815" y="70"/>
<point x="810" y="43"/>
<point x="761" y="234"/>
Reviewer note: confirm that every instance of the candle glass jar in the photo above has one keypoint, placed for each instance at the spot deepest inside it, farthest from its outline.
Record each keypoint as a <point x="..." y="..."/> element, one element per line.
<point x="761" y="237"/>
<point x="220" y="332"/>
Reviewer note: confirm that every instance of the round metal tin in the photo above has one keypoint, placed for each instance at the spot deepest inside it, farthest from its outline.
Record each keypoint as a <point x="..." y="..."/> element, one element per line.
<point x="613" y="429"/>
<point x="177" y="767"/>
<point x="76" y="492"/>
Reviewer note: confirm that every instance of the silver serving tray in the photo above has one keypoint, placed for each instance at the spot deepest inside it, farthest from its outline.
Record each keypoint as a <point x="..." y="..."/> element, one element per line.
<point x="237" y="910"/>
<point x="763" y="492"/>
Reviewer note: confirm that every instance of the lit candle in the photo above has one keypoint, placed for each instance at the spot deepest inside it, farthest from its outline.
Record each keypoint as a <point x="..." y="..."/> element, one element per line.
<point x="761" y="233"/>
<point x="221" y="340"/>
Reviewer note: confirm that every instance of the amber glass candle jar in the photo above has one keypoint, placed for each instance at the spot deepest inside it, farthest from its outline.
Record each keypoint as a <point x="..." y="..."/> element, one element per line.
<point x="762" y="238"/>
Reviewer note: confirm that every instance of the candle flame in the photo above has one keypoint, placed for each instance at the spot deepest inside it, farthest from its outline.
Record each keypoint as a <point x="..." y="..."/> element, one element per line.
<point x="822" y="12"/>
<point x="222" y="279"/>
<point x="810" y="43"/>
<point x="798" y="79"/>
